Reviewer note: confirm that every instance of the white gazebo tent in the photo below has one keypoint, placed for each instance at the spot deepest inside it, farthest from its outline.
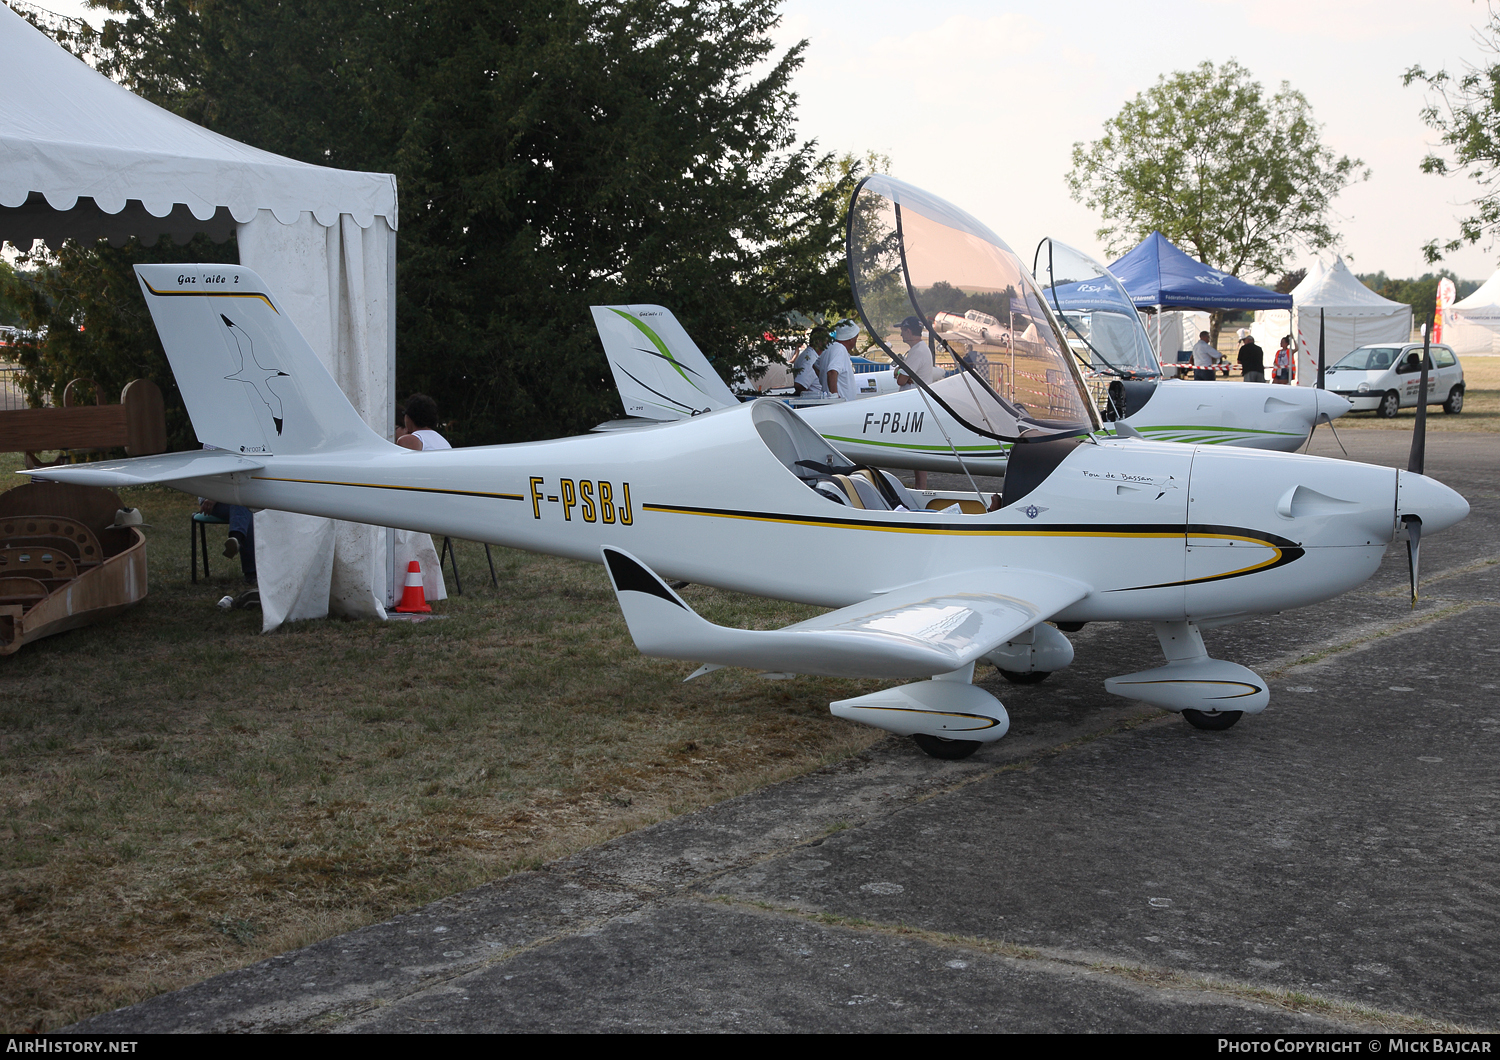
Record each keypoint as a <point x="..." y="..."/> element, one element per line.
<point x="1473" y="324"/>
<point x="1271" y="324"/>
<point x="82" y="157"/>
<point x="1352" y="315"/>
<point x="1175" y="330"/>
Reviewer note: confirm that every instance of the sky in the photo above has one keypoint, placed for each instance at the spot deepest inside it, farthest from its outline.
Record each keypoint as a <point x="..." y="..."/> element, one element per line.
<point x="981" y="102"/>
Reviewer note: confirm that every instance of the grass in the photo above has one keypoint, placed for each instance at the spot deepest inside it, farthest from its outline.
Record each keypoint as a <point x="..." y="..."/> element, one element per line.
<point x="181" y="795"/>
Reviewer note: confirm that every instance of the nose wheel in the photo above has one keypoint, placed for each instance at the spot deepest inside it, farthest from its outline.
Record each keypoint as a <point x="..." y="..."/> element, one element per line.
<point x="940" y="747"/>
<point x="1213" y="720"/>
<point x="1028" y="677"/>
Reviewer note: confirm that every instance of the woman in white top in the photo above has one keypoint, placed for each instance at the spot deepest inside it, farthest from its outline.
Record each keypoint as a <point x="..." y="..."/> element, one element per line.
<point x="418" y="422"/>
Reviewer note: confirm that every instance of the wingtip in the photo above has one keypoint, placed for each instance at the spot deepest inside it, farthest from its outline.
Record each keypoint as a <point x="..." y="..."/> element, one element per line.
<point x="631" y="575"/>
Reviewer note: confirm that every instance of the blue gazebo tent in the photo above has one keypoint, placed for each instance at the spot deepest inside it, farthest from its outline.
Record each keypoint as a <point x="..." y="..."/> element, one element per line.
<point x="1160" y="275"/>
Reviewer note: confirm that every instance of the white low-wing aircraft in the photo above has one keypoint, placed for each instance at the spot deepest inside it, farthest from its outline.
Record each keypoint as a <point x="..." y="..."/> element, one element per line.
<point x="1212" y="534"/>
<point x="662" y="375"/>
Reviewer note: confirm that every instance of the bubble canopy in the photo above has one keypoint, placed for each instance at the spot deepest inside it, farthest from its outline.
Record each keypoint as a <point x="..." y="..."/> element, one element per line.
<point x="1103" y="327"/>
<point x="913" y="254"/>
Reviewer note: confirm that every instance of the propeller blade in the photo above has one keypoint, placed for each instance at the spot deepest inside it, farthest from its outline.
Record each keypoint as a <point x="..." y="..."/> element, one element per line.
<point x="1419" y="432"/>
<point x="1322" y="338"/>
<point x="1413" y="550"/>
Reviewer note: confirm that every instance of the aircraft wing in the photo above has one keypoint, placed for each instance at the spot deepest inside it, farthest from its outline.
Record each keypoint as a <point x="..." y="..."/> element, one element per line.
<point x="144" y="470"/>
<point x="918" y="630"/>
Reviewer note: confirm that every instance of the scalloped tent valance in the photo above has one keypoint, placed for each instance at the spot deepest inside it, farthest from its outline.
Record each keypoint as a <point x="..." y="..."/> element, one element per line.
<point x="72" y="138"/>
<point x="83" y="158"/>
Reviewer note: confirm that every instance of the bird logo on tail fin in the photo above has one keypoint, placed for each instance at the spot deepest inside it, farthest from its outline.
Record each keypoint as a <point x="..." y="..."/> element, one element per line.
<point x="257" y="377"/>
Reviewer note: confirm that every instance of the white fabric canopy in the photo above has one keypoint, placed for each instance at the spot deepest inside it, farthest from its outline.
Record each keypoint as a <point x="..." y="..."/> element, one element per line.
<point x="1352" y="316"/>
<point x="69" y="133"/>
<point x="1472" y="325"/>
<point x="1173" y="330"/>
<point x="83" y="158"/>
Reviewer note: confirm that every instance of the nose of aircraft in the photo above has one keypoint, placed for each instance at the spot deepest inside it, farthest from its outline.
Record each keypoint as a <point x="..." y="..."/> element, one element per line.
<point x="1331" y="406"/>
<point x="1434" y="503"/>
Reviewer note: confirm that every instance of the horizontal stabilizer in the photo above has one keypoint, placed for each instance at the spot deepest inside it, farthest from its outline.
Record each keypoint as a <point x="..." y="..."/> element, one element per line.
<point x="917" y="630"/>
<point x="144" y="470"/>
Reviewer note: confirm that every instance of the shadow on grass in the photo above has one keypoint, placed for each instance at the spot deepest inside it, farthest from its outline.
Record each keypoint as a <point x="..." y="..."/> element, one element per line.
<point x="183" y="794"/>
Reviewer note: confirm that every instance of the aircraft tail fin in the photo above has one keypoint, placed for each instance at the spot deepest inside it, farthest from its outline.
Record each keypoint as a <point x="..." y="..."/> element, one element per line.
<point x="251" y="383"/>
<point x="660" y="372"/>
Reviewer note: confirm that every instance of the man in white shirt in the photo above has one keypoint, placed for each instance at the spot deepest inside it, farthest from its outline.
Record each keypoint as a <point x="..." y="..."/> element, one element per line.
<point x="918" y="358"/>
<point x="805" y="382"/>
<point x="835" y="368"/>
<point x="1204" y="357"/>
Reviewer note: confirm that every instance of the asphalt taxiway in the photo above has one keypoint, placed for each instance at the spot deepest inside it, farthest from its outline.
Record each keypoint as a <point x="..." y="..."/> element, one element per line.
<point x="1331" y="865"/>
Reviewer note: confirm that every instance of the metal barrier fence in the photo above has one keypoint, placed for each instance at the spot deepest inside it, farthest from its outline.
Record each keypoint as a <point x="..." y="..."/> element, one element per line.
<point x="11" y="395"/>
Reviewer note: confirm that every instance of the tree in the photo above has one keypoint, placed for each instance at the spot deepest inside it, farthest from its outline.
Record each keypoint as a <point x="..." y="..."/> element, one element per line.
<point x="10" y="305"/>
<point x="1466" y="115"/>
<point x="550" y="155"/>
<point x="1205" y="157"/>
<point x="1289" y="280"/>
<point x="1419" y="293"/>
<point x="93" y="285"/>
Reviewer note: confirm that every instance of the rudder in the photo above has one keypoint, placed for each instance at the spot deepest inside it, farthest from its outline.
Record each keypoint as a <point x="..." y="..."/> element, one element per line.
<point x="660" y="372"/>
<point x="249" y="379"/>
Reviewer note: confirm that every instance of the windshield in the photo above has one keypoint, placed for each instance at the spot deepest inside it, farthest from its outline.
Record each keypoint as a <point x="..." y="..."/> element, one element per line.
<point x="1369" y="358"/>
<point x="1103" y="328"/>
<point x="912" y="254"/>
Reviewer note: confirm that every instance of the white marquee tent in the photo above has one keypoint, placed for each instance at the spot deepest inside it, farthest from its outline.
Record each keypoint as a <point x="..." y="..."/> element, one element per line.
<point x="1174" y="330"/>
<point x="82" y="157"/>
<point x="1353" y="316"/>
<point x="1473" y="324"/>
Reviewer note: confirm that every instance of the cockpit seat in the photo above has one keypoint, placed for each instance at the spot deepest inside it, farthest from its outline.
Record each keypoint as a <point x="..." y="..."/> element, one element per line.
<point x="861" y="492"/>
<point x="859" y="488"/>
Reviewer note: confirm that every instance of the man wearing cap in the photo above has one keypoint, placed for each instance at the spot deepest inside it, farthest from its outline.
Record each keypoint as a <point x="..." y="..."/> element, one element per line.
<point x="804" y="366"/>
<point x="918" y="358"/>
<point x="835" y="369"/>
<point x="1252" y="359"/>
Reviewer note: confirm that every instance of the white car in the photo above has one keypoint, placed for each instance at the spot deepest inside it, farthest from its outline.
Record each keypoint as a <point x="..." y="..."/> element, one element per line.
<point x="1384" y="378"/>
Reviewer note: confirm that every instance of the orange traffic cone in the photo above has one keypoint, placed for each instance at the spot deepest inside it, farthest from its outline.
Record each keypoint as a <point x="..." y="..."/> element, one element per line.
<point x="413" y="599"/>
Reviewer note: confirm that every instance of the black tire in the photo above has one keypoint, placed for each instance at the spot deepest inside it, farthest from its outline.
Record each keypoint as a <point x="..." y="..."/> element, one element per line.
<point x="1212" y="720"/>
<point x="1029" y="677"/>
<point x="1455" y="403"/>
<point x="941" y="747"/>
<point x="1070" y="627"/>
<point x="1390" y="405"/>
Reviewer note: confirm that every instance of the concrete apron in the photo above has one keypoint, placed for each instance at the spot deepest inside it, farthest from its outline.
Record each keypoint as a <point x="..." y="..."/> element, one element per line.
<point x="1331" y="864"/>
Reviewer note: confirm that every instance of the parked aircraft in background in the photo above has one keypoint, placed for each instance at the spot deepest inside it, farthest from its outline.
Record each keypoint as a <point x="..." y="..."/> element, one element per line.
<point x="1089" y="527"/>
<point x="662" y="375"/>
